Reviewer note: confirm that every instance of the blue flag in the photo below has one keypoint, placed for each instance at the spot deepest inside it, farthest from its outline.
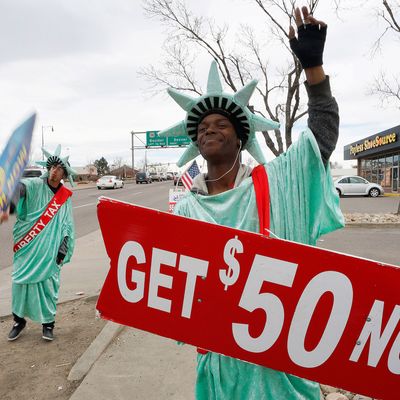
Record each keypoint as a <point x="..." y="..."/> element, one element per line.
<point x="13" y="160"/>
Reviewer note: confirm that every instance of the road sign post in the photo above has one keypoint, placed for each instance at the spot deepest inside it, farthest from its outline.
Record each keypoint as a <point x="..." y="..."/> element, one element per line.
<point x="154" y="140"/>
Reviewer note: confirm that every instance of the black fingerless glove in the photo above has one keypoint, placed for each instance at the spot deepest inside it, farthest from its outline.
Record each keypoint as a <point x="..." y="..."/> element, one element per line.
<point x="309" y="46"/>
<point x="60" y="258"/>
<point x="62" y="251"/>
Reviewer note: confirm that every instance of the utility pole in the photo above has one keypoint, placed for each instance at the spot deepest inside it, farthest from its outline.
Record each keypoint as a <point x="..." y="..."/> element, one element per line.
<point x="133" y="154"/>
<point x="43" y="128"/>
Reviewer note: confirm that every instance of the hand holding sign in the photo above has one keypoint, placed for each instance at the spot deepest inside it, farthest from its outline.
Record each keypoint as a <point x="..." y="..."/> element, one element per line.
<point x="3" y="216"/>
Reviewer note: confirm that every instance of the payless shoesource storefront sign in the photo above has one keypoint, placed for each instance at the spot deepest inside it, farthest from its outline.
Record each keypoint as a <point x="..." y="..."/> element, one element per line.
<point x="384" y="141"/>
<point x="371" y="144"/>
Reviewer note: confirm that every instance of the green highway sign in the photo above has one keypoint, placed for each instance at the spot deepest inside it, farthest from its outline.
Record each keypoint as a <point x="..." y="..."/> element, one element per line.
<point x="179" y="141"/>
<point x="153" y="140"/>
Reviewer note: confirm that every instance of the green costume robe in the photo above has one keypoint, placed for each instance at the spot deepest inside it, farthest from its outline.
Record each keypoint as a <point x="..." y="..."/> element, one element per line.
<point x="36" y="275"/>
<point x="303" y="206"/>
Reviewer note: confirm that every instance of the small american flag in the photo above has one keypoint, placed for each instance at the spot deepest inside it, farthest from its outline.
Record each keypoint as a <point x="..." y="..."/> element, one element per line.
<point x="188" y="176"/>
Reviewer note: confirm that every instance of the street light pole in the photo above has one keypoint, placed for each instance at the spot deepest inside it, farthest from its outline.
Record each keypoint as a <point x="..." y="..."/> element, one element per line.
<point x="43" y="128"/>
<point x="133" y="154"/>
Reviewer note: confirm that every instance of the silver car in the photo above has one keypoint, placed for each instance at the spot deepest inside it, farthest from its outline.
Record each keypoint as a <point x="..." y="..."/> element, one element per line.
<point x="357" y="186"/>
<point x="109" y="182"/>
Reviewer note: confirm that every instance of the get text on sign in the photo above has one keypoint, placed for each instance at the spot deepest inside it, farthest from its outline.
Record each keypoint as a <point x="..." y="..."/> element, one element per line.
<point x="310" y="312"/>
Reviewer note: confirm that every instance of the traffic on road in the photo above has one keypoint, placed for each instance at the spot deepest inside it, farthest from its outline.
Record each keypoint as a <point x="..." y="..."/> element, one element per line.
<point x="85" y="199"/>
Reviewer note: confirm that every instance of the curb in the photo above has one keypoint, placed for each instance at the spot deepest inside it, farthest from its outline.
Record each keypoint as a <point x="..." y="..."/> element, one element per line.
<point x="94" y="351"/>
<point x="86" y="297"/>
<point x="81" y="187"/>
<point x="372" y="225"/>
<point x="86" y="186"/>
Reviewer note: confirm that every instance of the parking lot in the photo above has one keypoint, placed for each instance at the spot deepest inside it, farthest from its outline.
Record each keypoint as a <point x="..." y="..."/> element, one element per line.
<point x="372" y="242"/>
<point x="378" y="205"/>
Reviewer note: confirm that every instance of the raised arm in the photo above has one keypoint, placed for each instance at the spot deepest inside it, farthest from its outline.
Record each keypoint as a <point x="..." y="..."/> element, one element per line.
<point x="322" y="107"/>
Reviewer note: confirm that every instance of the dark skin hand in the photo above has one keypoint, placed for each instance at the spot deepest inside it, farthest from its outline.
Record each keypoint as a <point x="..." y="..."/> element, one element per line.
<point x="219" y="145"/>
<point x="314" y="75"/>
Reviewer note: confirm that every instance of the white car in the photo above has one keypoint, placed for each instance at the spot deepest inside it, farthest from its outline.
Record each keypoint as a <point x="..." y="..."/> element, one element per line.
<point x="109" y="182"/>
<point x="357" y="186"/>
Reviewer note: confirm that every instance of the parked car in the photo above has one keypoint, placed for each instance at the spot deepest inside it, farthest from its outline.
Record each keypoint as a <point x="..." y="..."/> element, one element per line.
<point x="170" y="176"/>
<point x="356" y="186"/>
<point x="143" y="177"/>
<point x="33" y="173"/>
<point x="178" y="180"/>
<point x="109" y="182"/>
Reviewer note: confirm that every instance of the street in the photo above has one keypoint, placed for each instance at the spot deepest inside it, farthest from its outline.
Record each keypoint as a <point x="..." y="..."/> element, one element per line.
<point x="375" y="243"/>
<point x="84" y="202"/>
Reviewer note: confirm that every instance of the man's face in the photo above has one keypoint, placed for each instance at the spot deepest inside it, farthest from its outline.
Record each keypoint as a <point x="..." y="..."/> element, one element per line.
<point x="217" y="139"/>
<point x="56" y="173"/>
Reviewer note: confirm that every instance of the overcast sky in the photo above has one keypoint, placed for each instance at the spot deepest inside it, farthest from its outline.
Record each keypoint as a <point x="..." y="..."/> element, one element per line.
<point x="76" y="63"/>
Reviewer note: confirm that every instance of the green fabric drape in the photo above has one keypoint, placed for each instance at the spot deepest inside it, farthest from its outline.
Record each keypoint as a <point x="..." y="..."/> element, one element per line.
<point x="36" y="276"/>
<point x="303" y="206"/>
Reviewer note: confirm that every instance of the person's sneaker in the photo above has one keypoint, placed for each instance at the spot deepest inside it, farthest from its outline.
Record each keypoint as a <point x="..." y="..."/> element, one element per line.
<point x="16" y="330"/>
<point x="48" y="333"/>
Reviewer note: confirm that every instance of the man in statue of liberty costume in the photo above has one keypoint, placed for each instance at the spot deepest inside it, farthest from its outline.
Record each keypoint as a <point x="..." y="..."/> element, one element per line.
<point x="43" y="242"/>
<point x="302" y="198"/>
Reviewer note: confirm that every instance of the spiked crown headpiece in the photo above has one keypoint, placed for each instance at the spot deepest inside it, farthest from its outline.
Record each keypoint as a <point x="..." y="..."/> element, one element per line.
<point x="215" y="99"/>
<point x="55" y="158"/>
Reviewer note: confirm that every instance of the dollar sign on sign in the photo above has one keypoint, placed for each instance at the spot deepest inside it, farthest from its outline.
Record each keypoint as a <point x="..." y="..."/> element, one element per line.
<point x="229" y="276"/>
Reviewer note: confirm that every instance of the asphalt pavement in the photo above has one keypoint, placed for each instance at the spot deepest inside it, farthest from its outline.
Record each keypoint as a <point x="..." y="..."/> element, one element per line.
<point x="84" y="202"/>
<point x="86" y="272"/>
<point x="370" y="205"/>
<point x="374" y="243"/>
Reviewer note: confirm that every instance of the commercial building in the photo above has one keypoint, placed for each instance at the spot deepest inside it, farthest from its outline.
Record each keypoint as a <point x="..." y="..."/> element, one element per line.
<point x="378" y="158"/>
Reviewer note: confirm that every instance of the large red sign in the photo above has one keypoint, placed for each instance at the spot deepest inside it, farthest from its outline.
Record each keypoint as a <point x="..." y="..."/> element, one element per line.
<point x="325" y="316"/>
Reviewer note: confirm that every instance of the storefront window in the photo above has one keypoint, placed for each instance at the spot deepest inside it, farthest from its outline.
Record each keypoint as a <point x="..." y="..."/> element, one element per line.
<point x="387" y="179"/>
<point x="381" y="171"/>
<point x="381" y="177"/>
<point x="396" y="159"/>
<point x="374" y="171"/>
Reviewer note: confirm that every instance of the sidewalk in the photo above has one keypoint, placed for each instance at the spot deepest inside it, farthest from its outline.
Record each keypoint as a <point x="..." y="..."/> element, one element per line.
<point x="83" y="276"/>
<point x="136" y="365"/>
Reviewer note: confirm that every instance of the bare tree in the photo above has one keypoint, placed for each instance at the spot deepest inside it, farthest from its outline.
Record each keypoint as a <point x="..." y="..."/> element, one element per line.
<point x="118" y="162"/>
<point x="188" y="34"/>
<point x="387" y="87"/>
